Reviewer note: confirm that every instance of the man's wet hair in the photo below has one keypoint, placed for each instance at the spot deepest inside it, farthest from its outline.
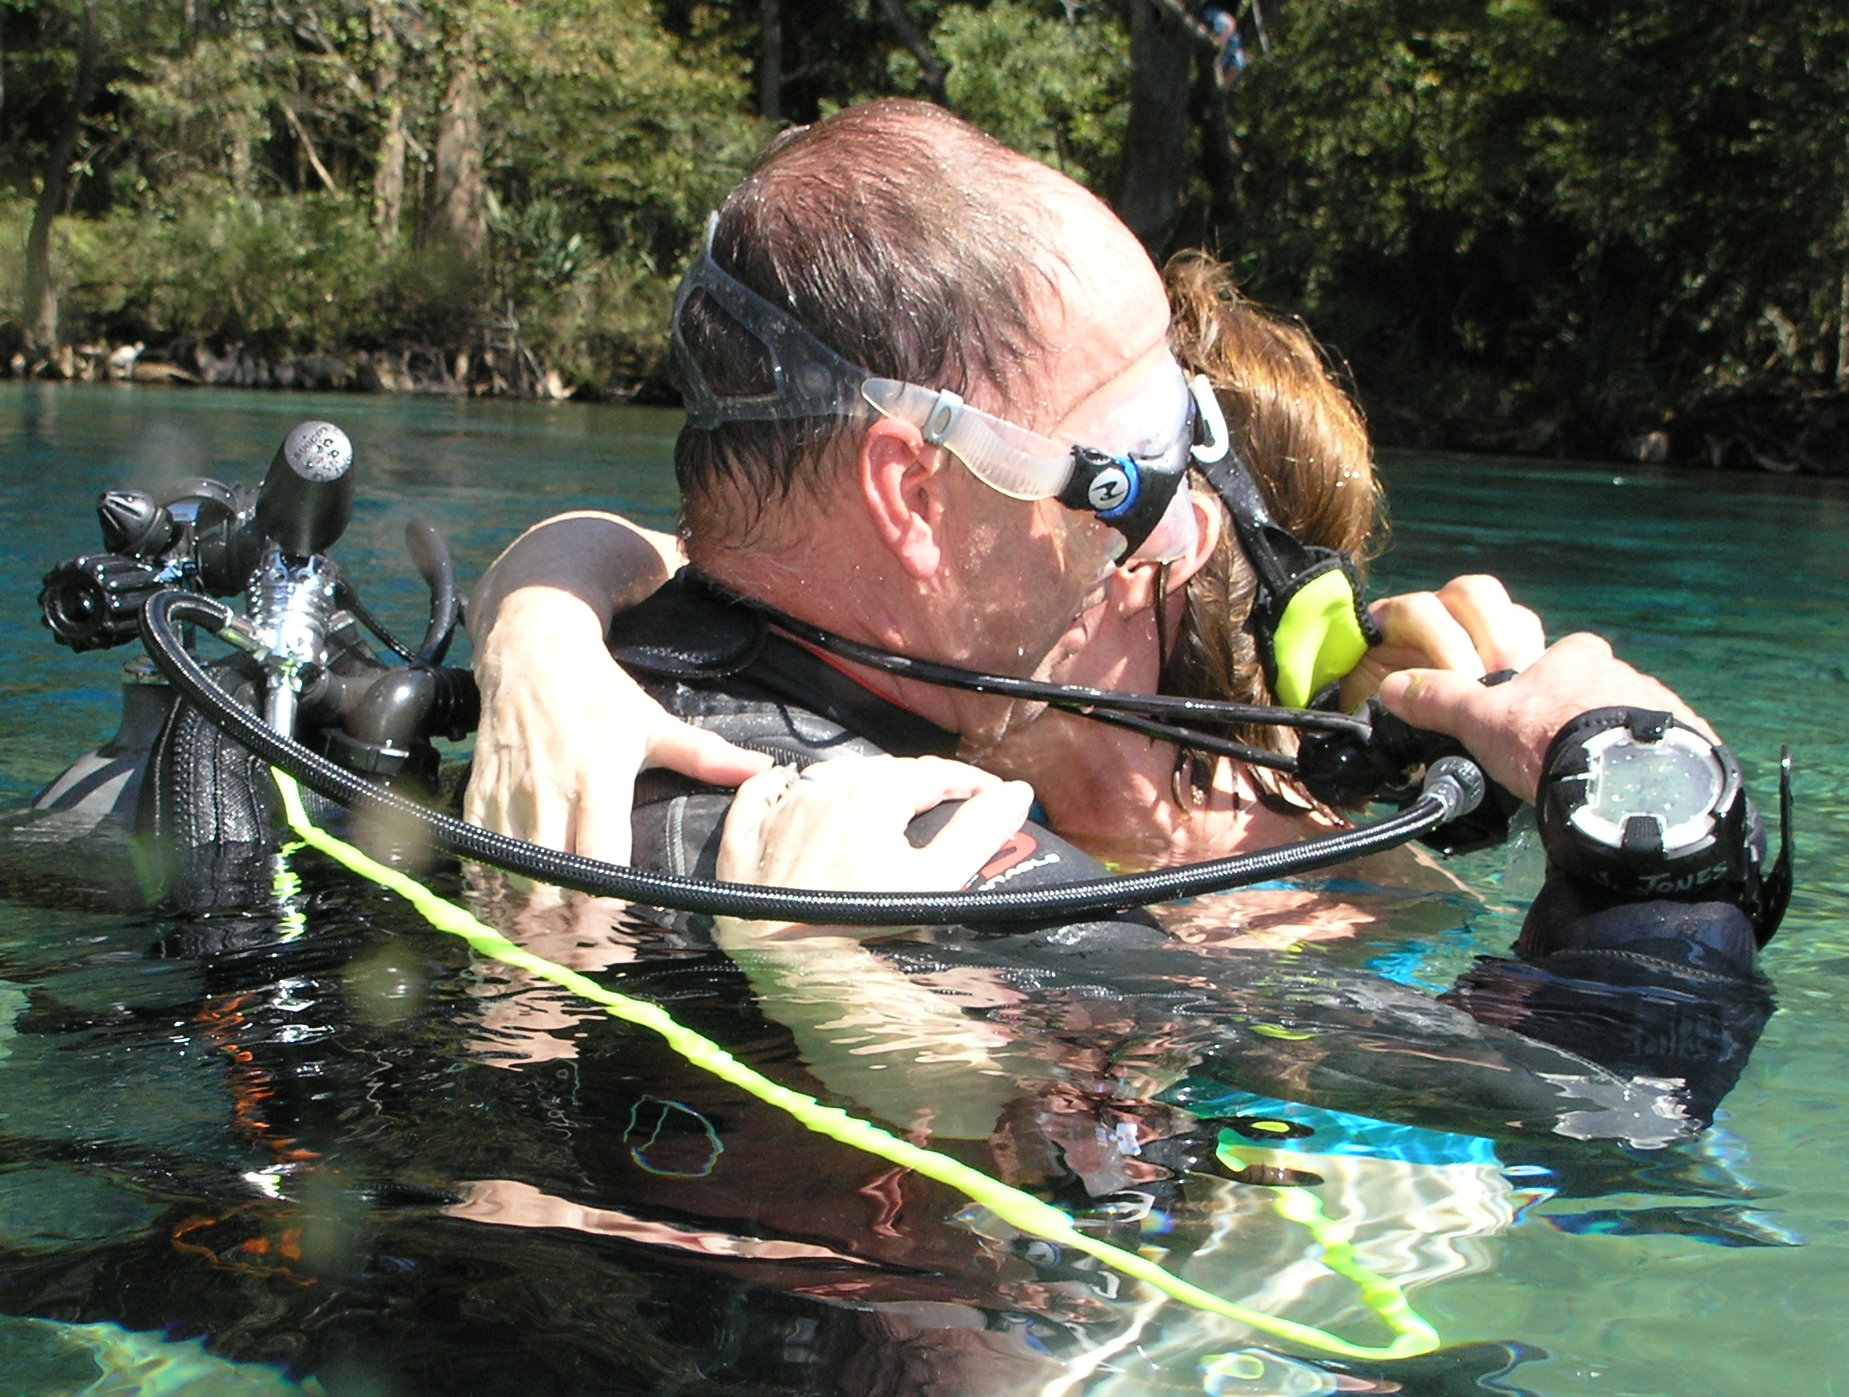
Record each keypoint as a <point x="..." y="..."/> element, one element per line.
<point x="900" y="236"/>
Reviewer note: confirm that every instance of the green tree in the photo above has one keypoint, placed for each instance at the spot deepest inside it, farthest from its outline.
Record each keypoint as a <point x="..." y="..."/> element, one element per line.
<point x="1050" y="82"/>
<point x="1552" y="223"/>
<point x="40" y="310"/>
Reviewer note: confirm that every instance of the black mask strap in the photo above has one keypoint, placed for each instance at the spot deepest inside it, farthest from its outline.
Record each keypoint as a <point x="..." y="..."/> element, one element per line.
<point x="809" y="379"/>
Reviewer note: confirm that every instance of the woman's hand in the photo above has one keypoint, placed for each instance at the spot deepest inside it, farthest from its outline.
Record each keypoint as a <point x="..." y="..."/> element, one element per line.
<point x="841" y="825"/>
<point x="564" y="731"/>
<point x="1470" y="626"/>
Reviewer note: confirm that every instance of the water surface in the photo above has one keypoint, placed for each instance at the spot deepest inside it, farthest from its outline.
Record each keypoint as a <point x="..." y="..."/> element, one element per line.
<point x="324" y="1148"/>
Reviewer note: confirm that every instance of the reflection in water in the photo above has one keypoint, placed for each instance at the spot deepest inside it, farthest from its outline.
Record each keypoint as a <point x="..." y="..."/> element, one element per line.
<point x="318" y="1147"/>
<point x="390" y="1098"/>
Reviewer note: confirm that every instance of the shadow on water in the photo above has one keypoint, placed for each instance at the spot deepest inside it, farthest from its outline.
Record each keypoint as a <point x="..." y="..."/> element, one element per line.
<point x="316" y="1146"/>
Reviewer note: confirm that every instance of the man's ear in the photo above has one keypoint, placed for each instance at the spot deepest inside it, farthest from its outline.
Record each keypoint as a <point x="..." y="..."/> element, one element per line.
<point x="902" y="483"/>
<point x="1133" y="586"/>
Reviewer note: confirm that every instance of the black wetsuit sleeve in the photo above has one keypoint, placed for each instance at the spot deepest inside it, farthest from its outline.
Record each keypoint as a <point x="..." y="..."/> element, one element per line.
<point x="1646" y="989"/>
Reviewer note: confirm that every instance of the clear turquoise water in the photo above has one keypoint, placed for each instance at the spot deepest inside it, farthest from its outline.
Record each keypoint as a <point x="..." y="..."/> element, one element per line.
<point x="136" y="1236"/>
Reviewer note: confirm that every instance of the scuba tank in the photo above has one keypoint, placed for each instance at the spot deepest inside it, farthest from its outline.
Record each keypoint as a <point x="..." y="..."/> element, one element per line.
<point x="194" y="798"/>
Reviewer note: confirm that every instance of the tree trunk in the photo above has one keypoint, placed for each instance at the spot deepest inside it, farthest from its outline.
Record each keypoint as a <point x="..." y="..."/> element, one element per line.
<point x="461" y="205"/>
<point x="1156" y="141"/>
<point x="1842" y="329"/>
<point x="770" y="60"/>
<point x="920" y="49"/>
<point x="388" y="163"/>
<point x="41" y="293"/>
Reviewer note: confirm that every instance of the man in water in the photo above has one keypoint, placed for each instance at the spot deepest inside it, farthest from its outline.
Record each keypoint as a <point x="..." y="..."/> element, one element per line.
<point x="909" y="243"/>
<point x="889" y="252"/>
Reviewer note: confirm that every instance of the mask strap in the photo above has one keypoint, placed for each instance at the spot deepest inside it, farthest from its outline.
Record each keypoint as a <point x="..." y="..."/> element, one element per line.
<point x="808" y="378"/>
<point x="1308" y="618"/>
<point x="1210" y="420"/>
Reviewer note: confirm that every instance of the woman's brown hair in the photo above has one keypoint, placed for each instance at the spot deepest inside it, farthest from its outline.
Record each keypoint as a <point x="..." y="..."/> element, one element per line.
<point x="1306" y="444"/>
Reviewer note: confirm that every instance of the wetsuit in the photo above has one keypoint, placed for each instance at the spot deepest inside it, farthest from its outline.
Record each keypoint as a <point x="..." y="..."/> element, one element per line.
<point x="721" y="667"/>
<point x="1659" y="990"/>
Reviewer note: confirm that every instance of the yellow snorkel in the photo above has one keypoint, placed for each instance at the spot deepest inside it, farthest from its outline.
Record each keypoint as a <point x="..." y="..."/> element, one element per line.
<point x="1308" y="617"/>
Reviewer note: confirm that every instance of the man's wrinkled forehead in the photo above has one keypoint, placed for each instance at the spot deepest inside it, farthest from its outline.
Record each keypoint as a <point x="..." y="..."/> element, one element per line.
<point x="1099" y="305"/>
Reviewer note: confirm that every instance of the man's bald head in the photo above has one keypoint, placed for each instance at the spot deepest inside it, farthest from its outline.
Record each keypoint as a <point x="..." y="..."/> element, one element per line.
<point x="908" y="242"/>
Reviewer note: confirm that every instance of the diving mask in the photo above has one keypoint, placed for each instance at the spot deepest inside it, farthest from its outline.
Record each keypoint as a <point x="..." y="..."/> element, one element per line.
<point x="1136" y="493"/>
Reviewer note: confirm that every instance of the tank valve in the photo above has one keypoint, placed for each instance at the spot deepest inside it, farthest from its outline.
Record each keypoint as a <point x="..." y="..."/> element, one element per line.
<point x="95" y="602"/>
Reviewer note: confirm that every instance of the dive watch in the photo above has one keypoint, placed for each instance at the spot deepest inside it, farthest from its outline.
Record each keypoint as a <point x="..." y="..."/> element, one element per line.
<point x="1644" y="806"/>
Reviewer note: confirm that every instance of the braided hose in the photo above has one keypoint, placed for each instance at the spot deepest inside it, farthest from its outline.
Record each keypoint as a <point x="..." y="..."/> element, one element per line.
<point x="1452" y="788"/>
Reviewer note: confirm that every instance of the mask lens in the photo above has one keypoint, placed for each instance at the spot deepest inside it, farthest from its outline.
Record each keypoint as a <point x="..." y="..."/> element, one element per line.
<point x="1162" y="519"/>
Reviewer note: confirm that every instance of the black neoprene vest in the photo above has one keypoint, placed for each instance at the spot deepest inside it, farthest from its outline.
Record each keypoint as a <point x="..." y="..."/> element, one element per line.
<point x="720" y="666"/>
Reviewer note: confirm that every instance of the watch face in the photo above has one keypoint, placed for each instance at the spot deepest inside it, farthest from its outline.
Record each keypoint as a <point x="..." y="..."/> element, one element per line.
<point x="1672" y="784"/>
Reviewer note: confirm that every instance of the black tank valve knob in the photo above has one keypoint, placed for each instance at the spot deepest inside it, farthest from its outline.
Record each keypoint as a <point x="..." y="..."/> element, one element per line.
<point x="135" y="524"/>
<point x="95" y="602"/>
<point x="306" y="497"/>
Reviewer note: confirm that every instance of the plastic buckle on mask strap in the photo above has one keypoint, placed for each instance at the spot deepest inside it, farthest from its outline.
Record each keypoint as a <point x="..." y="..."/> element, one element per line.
<point x="1308" y="618"/>
<point x="808" y="378"/>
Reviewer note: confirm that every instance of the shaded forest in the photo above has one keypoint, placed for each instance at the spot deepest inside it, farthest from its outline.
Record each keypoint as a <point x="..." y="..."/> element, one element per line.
<point x="1611" y="228"/>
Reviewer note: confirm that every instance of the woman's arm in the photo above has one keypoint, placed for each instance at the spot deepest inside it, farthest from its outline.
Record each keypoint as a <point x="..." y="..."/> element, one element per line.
<point x="564" y="730"/>
<point x="910" y="1055"/>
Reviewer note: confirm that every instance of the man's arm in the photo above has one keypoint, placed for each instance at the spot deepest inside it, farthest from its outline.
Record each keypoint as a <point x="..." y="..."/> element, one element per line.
<point x="1508" y="727"/>
<point x="1648" y="985"/>
<point x="564" y="730"/>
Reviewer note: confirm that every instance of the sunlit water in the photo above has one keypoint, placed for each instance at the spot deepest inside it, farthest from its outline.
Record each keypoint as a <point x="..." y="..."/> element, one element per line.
<point x="330" y="1149"/>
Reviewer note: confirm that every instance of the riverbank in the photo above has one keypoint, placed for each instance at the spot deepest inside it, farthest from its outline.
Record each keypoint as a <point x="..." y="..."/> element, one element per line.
<point x="1774" y="431"/>
<point x="1777" y="431"/>
<point x="481" y="371"/>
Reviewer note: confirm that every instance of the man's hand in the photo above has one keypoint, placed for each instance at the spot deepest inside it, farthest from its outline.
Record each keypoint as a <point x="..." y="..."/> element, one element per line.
<point x="1508" y="727"/>
<point x="1468" y="627"/>
<point x="564" y="731"/>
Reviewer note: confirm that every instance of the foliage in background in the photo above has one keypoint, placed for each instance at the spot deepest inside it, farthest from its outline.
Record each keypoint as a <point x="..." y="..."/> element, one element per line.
<point x="1556" y="225"/>
<point x="1054" y="89"/>
<point x="229" y="188"/>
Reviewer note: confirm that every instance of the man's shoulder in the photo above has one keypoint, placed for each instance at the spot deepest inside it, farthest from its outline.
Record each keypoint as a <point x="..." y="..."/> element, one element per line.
<point x="715" y="659"/>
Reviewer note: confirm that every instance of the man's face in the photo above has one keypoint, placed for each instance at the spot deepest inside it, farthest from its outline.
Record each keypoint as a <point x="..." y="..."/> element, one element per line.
<point x="1026" y="573"/>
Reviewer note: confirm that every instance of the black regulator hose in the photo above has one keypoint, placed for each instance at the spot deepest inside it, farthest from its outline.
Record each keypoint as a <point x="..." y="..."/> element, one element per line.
<point x="430" y="553"/>
<point x="1453" y="786"/>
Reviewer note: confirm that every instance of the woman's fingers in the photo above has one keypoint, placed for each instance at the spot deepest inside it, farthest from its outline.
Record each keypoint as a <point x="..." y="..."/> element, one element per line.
<point x="1469" y="627"/>
<point x="908" y="785"/>
<point x="969" y="839"/>
<point x="699" y="753"/>
<point x="741" y="843"/>
<point x="1418" y="627"/>
<point x="1504" y="635"/>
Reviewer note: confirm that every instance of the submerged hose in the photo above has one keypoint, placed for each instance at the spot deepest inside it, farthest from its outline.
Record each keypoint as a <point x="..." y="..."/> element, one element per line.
<point x="1412" y="1335"/>
<point x="1453" y="786"/>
